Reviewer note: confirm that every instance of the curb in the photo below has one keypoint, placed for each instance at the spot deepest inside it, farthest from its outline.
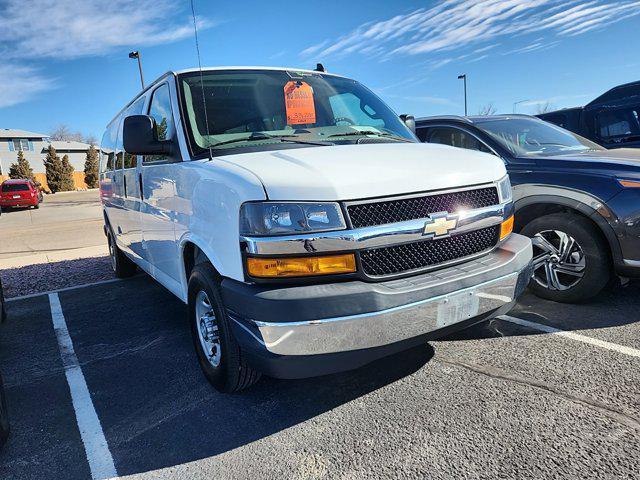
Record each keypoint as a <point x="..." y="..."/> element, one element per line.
<point x="51" y="257"/>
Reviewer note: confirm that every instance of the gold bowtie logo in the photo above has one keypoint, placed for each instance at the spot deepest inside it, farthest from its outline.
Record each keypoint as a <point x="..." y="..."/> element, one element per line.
<point x="440" y="224"/>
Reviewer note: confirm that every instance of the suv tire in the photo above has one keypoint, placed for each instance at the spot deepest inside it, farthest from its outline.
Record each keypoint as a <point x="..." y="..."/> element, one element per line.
<point x="219" y="354"/>
<point x="572" y="274"/>
<point x="122" y="266"/>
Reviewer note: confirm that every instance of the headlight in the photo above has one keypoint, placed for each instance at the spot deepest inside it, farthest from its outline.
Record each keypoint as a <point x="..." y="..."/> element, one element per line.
<point x="504" y="190"/>
<point x="283" y="218"/>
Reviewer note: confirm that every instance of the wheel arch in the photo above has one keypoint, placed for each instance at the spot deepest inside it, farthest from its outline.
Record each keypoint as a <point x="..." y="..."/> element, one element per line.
<point x="532" y="207"/>
<point x="193" y="252"/>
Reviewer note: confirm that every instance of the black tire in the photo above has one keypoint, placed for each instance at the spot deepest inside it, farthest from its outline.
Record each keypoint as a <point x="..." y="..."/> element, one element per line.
<point x="232" y="373"/>
<point x="597" y="270"/>
<point x="37" y="206"/>
<point x="122" y="266"/>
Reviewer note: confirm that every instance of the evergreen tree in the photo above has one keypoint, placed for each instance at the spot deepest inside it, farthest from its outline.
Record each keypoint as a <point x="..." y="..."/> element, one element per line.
<point x="54" y="170"/>
<point x="21" y="169"/>
<point x="91" y="168"/>
<point x="68" y="182"/>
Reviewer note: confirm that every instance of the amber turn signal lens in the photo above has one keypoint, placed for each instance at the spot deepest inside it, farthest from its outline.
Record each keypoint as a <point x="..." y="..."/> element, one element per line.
<point x="629" y="183"/>
<point x="300" y="267"/>
<point x="506" y="228"/>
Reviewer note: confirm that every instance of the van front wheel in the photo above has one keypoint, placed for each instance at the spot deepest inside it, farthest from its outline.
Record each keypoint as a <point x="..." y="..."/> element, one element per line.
<point x="218" y="352"/>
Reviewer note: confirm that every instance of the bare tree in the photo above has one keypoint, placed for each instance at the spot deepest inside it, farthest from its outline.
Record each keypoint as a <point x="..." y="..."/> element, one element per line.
<point x="61" y="132"/>
<point x="544" y="107"/>
<point x="488" y="109"/>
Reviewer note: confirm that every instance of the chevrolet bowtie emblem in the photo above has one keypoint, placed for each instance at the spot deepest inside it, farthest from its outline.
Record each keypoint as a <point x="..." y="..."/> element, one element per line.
<point x="440" y="224"/>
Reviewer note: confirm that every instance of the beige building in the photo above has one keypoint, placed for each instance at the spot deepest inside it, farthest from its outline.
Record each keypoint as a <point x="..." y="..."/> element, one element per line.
<point x="34" y="147"/>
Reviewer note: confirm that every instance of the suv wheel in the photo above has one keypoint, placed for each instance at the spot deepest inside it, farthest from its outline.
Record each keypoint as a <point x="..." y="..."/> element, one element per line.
<point x="570" y="258"/>
<point x="122" y="266"/>
<point x="218" y="352"/>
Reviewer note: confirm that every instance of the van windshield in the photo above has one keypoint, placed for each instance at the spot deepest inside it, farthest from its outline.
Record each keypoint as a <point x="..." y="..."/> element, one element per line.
<point x="257" y="109"/>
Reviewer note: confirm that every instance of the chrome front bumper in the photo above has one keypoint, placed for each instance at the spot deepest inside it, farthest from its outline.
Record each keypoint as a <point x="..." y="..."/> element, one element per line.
<point x="476" y="289"/>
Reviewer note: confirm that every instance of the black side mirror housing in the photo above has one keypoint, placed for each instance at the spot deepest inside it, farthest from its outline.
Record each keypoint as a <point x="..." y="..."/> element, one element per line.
<point x="409" y="121"/>
<point x="140" y="138"/>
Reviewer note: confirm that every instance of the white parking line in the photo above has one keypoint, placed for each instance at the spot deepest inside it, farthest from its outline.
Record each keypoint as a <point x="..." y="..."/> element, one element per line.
<point x="66" y="289"/>
<point x="573" y="336"/>
<point x="95" y="443"/>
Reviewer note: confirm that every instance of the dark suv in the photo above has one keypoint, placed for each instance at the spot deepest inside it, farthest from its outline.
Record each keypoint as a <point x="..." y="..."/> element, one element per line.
<point x="612" y="119"/>
<point x="579" y="202"/>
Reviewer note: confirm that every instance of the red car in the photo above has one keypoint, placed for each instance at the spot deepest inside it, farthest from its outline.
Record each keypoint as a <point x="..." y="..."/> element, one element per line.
<point x="20" y="193"/>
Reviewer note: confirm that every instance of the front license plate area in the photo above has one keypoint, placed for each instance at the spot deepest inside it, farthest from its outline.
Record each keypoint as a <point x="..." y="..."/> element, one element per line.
<point x="16" y="196"/>
<point x="457" y="308"/>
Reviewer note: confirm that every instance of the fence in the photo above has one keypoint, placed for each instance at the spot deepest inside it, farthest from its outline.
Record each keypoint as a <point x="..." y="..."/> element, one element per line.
<point x="78" y="180"/>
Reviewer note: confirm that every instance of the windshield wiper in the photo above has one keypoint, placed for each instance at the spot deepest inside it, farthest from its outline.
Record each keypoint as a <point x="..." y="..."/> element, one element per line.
<point x="256" y="136"/>
<point x="371" y="132"/>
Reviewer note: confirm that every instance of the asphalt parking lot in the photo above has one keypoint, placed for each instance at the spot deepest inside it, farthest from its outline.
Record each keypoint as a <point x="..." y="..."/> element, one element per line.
<point x="500" y="400"/>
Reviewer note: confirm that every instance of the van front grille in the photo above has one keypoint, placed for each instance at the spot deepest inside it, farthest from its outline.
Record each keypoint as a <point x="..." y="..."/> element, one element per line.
<point x="400" y="210"/>
<point x="398" y="259"/>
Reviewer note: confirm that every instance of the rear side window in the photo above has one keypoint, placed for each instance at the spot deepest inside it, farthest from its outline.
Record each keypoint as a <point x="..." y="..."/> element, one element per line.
<point x="108" y="147"/>
<point x="136" y="108"/>
<point x="15" y="187"/>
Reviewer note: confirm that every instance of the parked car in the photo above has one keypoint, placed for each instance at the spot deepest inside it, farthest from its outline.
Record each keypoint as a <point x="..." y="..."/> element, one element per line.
<point x="578" y="201"/>
<point x="20" y="193"/>
<point x="302" y="222"/>
<point x="611" y="120"/>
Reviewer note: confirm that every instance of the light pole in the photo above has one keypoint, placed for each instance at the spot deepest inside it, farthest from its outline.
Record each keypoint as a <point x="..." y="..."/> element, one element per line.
<point x="515" y="104"/>
<point x="464" y="77"/>
<point x="136" y="54"/>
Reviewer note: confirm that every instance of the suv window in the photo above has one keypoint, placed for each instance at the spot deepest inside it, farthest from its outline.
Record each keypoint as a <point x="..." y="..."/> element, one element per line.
<point x="15" y="187"/>
<point x="613" y="125"/>
<point x="160" y="110"/>
<point x="456" y="138"/>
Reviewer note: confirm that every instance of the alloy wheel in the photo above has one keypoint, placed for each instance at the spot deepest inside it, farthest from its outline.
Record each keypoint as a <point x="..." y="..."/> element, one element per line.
<point x="558" y="260"/>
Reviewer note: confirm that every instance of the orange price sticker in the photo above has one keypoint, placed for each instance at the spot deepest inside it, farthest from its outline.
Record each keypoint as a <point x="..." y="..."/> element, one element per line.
<point x="298" y="98"/>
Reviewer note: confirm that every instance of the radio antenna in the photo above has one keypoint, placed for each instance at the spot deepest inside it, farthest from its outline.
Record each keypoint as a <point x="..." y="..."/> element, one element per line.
<point x="204" y="99"/>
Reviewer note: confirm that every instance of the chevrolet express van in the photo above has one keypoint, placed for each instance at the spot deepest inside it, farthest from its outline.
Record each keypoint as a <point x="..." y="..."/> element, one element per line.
<point x="302" y="222"/>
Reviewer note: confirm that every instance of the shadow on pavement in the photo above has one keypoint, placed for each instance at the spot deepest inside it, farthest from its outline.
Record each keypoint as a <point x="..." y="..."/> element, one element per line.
<point x="612" y="308"/>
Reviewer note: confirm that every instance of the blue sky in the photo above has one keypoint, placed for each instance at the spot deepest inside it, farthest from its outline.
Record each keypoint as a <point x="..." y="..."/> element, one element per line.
<point x="65" y="61"/>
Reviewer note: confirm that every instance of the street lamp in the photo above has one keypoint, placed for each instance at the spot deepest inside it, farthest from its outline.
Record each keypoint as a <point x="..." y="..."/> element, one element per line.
<point x="515" y="104"/>
<point x="136" y="54"/>
<point x="464" y="77"/>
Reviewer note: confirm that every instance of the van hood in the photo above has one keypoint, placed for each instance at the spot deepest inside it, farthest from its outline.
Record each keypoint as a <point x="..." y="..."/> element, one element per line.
<point x="351" y="172"/>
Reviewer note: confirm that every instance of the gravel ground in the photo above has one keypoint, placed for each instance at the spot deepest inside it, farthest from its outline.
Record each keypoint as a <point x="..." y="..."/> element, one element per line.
<point x="53" y="276"/>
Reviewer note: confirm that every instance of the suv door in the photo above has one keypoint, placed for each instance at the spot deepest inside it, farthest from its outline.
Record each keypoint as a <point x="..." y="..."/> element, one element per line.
<point x="158" y="173"/>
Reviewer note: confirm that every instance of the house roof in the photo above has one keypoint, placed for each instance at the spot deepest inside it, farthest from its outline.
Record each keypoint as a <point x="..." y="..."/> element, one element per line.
<point x="69" y="145"/>
<point x="14" y="133"/>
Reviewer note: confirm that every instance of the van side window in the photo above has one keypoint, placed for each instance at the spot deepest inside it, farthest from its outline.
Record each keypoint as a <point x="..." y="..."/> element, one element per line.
<point x="108" y="147"/>
<point x="456" y="138"/>
<point x="160" y="110"/>
<point x="136" y="108"/>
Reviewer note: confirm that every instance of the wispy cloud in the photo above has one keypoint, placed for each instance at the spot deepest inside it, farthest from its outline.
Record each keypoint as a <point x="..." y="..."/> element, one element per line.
<point x="19" y="84"/>
<point x="461" y="24"/>
<point x="558" y="99"/>
<point x="67" y="29"/>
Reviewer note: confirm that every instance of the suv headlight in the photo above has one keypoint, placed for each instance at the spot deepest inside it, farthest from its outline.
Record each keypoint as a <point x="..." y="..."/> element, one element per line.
<point x="285" y="218"/>
<point x="504" y="190"/>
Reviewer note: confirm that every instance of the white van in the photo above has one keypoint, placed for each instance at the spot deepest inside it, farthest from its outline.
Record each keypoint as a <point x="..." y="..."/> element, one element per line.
<point x="302" y="222"/>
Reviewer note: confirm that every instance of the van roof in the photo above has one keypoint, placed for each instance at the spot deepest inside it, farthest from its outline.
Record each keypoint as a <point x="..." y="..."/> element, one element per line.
<point x="206" y="69"/>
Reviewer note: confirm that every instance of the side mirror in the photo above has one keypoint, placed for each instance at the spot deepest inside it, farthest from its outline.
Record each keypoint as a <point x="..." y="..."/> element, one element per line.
<point x="140" y="138"/>
<point x="409" y="121"/>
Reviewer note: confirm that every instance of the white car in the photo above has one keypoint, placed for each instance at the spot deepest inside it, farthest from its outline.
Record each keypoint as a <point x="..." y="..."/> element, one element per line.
<point x="302" y="222"/>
